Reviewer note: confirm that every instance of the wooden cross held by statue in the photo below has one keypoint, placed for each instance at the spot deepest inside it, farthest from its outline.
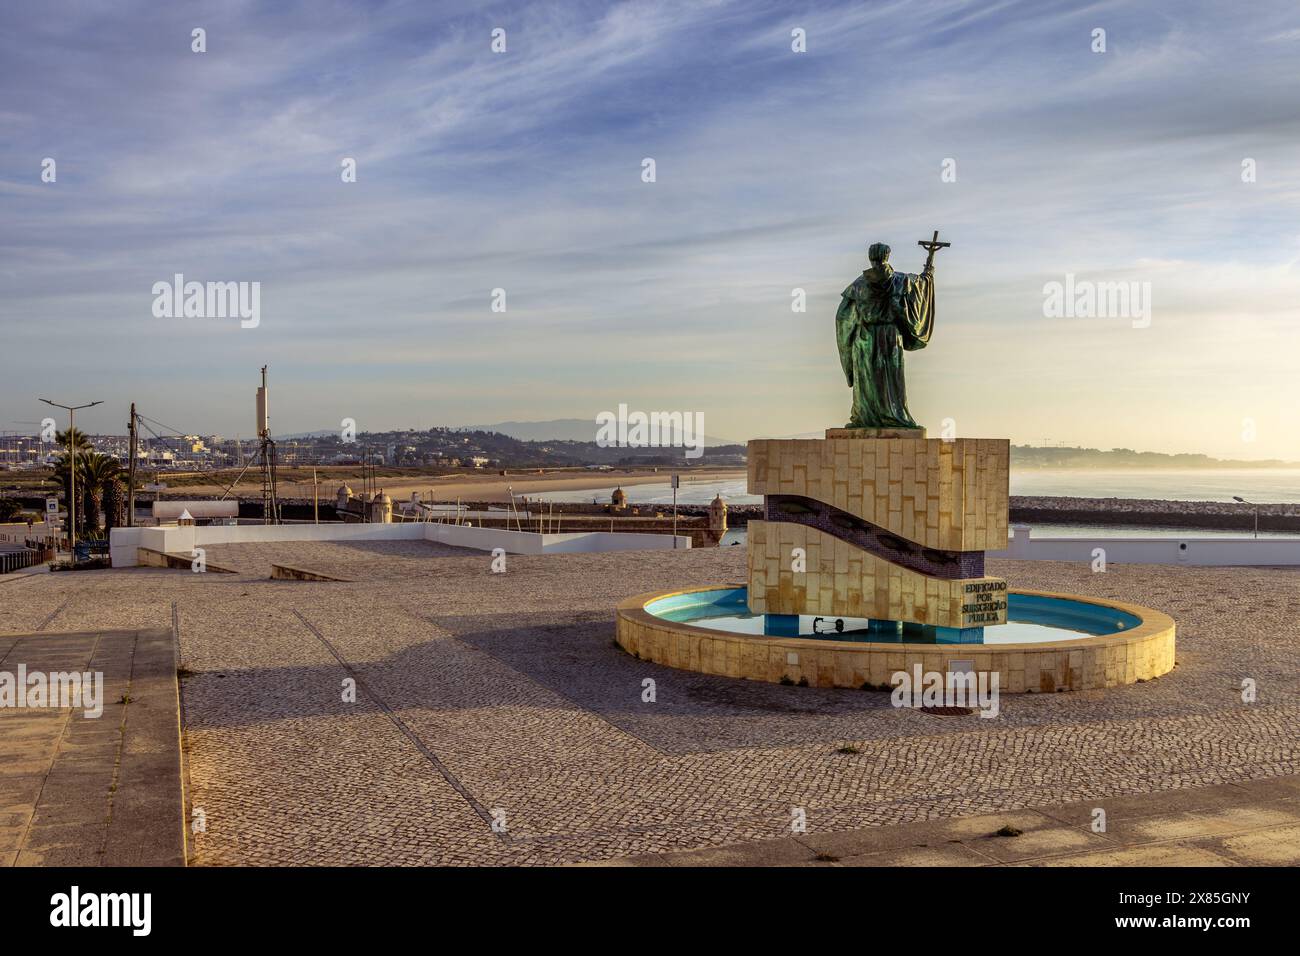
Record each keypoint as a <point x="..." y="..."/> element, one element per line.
<point x="931" y="246"/>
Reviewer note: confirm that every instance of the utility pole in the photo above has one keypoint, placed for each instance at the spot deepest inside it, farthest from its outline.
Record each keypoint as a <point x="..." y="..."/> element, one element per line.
<point x="130" y="474"/>
<point x="72" y="469"/>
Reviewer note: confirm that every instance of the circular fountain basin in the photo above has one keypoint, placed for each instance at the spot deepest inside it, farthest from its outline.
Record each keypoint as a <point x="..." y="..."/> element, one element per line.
<point x="1031" y="619"/>
<point x="1051" y="642"/>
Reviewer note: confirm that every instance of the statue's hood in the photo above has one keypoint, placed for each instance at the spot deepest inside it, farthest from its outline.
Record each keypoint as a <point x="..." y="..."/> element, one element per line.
<point x="872" y="281"/>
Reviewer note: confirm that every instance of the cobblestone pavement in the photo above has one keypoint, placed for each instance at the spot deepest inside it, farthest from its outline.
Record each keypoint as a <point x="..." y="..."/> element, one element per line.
<point x="487" y="696"/>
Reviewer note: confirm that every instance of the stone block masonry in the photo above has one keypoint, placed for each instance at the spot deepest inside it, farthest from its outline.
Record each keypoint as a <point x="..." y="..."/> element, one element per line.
<point x="947" y="495"/>
<point x="881" y="526"/>
<point x="841" y="580"/>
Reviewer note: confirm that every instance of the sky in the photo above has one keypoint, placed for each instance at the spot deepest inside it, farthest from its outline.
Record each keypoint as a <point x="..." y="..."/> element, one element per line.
<point x="1000" y="124"/>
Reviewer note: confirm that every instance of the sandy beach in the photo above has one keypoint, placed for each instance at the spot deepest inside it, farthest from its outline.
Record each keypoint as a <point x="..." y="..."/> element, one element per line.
<point x="486" y="487"/>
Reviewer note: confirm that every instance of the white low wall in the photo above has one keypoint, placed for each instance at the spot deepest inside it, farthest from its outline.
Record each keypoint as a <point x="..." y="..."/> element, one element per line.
<point x="1191" y="551"/>
<point x="170" y="509"/>
<point x="613" y="541"/>
<point x="482" y="539"/>
<point x="122" y="543"/>
<point x="334" y="531"/>
<point x="174" y="539"/>
<point x="530" y="542"/>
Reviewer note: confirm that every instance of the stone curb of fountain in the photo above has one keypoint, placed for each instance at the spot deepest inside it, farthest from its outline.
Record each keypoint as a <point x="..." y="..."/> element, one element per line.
<point x="1093" y="662"/>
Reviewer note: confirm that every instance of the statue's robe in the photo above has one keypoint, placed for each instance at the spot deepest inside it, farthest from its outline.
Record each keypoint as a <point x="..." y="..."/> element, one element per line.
<point x="882" y="314"/>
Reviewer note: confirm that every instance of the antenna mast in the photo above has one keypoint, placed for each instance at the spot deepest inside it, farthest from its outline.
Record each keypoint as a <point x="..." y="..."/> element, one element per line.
<point x="270" y="504"/>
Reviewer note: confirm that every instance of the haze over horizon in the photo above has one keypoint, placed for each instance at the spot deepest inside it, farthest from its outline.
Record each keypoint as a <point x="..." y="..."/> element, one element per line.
<point x="571" y="429"/>
<point x="774" y="171"/>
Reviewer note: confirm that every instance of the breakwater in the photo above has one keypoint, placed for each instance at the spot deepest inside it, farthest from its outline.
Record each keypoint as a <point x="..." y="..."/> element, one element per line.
<point x="1154" y="512"/>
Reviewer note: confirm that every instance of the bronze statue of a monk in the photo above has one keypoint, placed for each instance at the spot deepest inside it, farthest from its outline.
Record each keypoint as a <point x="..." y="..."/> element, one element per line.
<point x="882" y="314"/>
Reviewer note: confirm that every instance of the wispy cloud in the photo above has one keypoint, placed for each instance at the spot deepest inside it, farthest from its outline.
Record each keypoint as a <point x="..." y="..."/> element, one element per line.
<point x="775" y="170"/>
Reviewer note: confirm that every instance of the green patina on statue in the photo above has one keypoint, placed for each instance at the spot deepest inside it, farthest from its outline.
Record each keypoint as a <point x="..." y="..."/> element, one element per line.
<point x="884" y="313"/>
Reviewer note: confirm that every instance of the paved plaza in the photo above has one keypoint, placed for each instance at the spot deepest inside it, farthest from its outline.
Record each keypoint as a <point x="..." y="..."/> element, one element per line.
<point x="495" y="721"/>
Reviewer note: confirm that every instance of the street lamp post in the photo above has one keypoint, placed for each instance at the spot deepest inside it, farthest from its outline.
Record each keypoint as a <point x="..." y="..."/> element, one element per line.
<point x="72" y="469"/>
<point x="1253" y="505"/>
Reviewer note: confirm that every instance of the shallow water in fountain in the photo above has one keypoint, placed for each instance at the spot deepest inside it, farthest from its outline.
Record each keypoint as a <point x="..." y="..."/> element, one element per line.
<point x="1031" y="619"/>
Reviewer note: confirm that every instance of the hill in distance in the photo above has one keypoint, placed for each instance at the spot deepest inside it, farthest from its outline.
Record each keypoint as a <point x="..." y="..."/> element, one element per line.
<point x="578" y="436"/>
<point x="565" y="429"/>
<point x="1030" y="456"/>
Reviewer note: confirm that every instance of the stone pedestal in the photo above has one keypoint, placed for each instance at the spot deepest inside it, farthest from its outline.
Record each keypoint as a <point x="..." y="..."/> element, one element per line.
<point x="876" y="524"/>
<point x="875" y="433"/>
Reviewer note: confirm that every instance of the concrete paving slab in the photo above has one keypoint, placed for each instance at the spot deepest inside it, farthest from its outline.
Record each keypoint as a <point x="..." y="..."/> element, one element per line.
<point x="1275" y="846"/>
<point x="94" y="791"/>
<point x="1193" y="824"/>
<point x="1271" y="788"/>
<point x="1051" y="841"/>
<point x="786" y="852"/>
<point x="1260" y="828"/>
<point x="948" y="854"/>
<point x="1160" y="854"/>
<point x="1138" y="805"/>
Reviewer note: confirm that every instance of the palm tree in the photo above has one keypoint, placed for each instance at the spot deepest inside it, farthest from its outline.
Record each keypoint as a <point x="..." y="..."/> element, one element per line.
<point x="78" y="438"/>
<point x="93" y="473"/>
<point x="63" y="475"/>
<point x="114" y="503"/>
